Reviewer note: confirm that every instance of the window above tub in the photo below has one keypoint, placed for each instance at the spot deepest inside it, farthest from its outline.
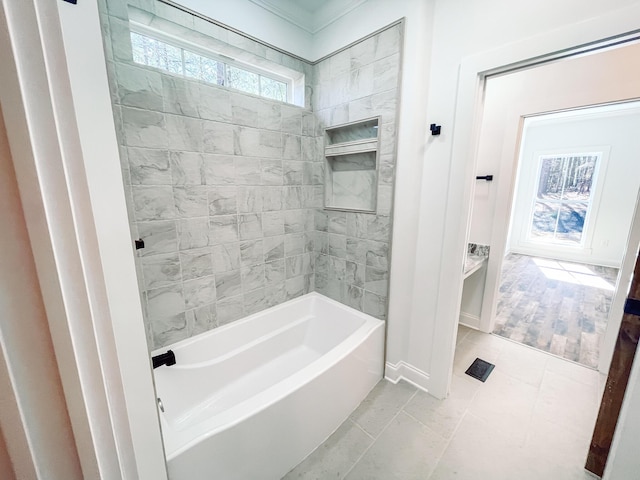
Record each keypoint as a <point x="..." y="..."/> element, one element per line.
<point x="150" y="49"/>
<point x="200" y="48"/>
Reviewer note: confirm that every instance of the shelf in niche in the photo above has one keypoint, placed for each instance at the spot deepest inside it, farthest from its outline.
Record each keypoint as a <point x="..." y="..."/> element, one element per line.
<point x="353" y="132"/>
<point x="351" y="178"/>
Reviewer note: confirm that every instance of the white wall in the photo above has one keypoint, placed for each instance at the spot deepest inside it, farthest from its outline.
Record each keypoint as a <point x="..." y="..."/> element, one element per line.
<point x="618" y="180"/>
<point x="253" y="20"/>
<point x="517" y="32"/>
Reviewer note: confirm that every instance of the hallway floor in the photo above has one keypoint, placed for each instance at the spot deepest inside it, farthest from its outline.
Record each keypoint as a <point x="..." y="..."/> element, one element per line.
<point x="558" y="307"/>
<point x="531" y="420"/>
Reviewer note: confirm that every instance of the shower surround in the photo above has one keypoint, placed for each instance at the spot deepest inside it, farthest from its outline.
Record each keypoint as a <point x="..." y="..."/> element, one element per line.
<point x="226" y="188"/>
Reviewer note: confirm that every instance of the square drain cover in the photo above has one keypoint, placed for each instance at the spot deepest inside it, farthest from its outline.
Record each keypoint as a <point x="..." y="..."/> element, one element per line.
<point x="480" y="369"/>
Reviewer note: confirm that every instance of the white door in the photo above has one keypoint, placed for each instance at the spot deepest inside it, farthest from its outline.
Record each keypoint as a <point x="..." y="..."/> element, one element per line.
<point x="604" y="77"/>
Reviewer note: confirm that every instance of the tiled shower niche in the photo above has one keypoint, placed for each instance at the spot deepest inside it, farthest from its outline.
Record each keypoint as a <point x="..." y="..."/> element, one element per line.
<point x="351" y="173"/>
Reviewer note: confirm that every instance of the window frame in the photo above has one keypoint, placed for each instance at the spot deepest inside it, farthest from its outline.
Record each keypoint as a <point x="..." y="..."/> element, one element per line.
<point x="585" y="239"/>
<point x="174" y="41"/>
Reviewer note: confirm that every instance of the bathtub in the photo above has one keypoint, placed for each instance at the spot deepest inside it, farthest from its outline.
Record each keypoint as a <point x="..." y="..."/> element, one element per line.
<point x="250" y="400"/>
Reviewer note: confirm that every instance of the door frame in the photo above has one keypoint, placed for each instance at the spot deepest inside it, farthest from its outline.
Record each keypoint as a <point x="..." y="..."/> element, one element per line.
<point x="507" y="172"/>
<point x="606" y="30"/>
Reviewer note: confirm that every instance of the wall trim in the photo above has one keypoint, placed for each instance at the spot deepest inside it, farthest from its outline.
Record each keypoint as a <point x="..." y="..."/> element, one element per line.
<point x="468" y="320"/>
<point x="408" y="373"/>
<point x="307" y="20"/>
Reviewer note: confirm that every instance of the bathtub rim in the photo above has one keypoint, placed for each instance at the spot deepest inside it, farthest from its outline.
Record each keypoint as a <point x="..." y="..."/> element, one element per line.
<point x="311" y="295"/>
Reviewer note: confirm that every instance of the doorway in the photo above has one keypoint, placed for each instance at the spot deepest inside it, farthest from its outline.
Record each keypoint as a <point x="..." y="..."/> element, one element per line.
<point x="575" y="189"/>
<point x="563" y="88"/>
<point x="511" y="98"/>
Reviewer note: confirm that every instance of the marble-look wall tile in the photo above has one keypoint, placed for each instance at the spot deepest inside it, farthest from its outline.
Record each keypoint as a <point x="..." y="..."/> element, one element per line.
<point x="272" y="223"/>
<point x="274" y="272"/>
<point x="355" y="274"/>
<point x="250" y="226"/>
<point x="386" y="73"/>
<point x="149" y="166"/>
<point x="168" y="329"/>
<point x="144" y="128"/>
<point x="293" y="172"/>
<point x="226" y="257"/>
<point x="255" y="301"/>
<point x="214" y="103"/>
<point x="223" y="201"/>
<point x="217" y="137"/>
<point x="159" y="237"/>
<point x="388" y="42"/>
<point x="230" y="309"/>
<point x="272" y="172"/>
<point x="376" y="280"/>
<point x="250" y="199"/>
<point x="191" y="201"/>
<point x="251" y="252"/>
<point x="193" y="233"/>
<point x="273" y="248"/>
<point x="253" y="112"/>
<point x="139" y="87"/>
<point x="184" y="133"/>
<point x="353" y="296"/>
<point x="161" y="270"/>
<point x="199" y="292"/>
<point x="291" y="147"/>
<point x="219" y="169"/>
<point x="361" y="82"/>
<point x="377" y="254"/>
<point x="362" y="53"/>
<point x="180" y="96"/>
<point x="252" y="277"/>
<point x="247" y="171"/>
<point x="196" y="264"/>
<point x="201" y="319"/>
<point x="223" y="229"/>
<point x="251" y="142"/>
<point x="165" y="301"/>
<point x="294" y="221"/>
<point x="294" y="287"/>
<point x="338" y="245"/>
<point x="153" y="203"/>
<point x="291" y="120"/>
<point x="120" y="39"/>
<point x="228" y="284"/>
<point x="187" y="168"/>
<point x="375" y="305"/>
<point x="272" y="199"/>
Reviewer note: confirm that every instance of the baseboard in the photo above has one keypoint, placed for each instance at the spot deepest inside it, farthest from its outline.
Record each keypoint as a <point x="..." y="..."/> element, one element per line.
<point x="408" y="373"/>
<point x="471" y="321"/>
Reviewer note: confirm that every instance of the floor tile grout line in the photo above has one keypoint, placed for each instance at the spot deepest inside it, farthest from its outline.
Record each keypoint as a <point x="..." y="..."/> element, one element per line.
<point x="361" y="429"/>
<point x="379" y="434"/>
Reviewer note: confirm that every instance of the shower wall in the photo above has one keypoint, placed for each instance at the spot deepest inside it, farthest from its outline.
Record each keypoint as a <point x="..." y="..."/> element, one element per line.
<point x="226" y="188"/>
<point x="352" y="249"/>
<point x="221" y="185"/>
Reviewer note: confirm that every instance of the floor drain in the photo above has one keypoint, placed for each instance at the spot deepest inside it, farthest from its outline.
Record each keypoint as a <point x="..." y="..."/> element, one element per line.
<point x="480" y="369"/>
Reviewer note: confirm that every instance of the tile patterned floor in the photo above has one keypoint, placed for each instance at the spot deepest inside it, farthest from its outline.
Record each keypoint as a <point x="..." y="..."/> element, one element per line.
<point x="531" y="420"/>
<point x="557" y="307"/>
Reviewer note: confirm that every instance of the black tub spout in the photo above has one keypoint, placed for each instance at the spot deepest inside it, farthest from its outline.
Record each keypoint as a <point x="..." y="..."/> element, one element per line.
<point x="167" y="359"/>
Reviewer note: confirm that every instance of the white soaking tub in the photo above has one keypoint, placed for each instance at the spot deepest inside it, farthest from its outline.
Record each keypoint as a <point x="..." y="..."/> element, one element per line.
<point x="250" y="400"/>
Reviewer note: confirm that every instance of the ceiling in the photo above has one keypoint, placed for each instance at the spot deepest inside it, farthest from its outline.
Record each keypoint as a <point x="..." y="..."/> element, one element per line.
<point x="309" y="15"/>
